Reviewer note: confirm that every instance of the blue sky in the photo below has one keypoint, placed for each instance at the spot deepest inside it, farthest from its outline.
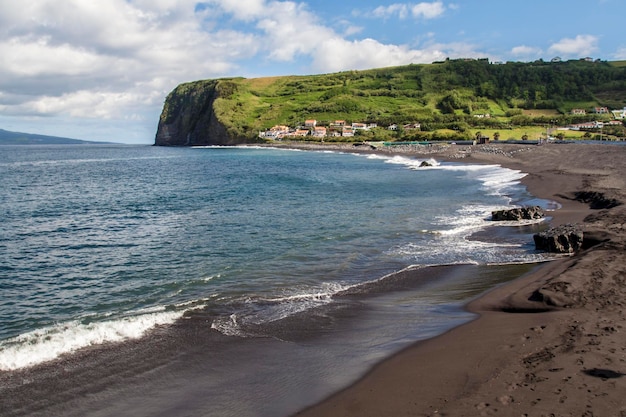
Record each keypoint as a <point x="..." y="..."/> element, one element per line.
<point x="101" y="70"/>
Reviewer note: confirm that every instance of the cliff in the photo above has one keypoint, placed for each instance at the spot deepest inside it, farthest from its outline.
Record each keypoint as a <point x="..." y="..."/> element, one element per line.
<point x="451" y="100"/>
<point x="189" y="118"/>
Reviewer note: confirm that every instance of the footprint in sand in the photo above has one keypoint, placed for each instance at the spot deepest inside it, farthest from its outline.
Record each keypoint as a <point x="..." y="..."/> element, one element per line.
<point x="505" y="400"/>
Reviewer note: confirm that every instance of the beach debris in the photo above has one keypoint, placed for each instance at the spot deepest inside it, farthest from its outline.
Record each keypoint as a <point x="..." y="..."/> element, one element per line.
<point x="567" y="238"/>
<point x="518" y="213"/>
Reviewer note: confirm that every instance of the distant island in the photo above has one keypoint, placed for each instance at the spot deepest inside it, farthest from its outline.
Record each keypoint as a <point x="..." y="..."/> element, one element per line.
<point x="451" y="100"/>
<point x="19" y="138"/>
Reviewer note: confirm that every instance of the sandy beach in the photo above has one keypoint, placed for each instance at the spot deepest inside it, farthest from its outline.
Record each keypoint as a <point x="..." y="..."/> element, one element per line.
<point x="551" y="343"/>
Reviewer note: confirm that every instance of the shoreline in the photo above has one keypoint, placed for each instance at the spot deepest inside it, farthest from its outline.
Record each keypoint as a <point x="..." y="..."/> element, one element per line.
<point x="523" y="357"/>
<point x="497" y="364"/>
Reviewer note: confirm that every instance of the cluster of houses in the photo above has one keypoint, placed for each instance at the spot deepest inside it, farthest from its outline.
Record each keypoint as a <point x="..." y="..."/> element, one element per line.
<point x="338" y="128"/>
<point x="617" y="116"/>
<point x="593" y="125"/>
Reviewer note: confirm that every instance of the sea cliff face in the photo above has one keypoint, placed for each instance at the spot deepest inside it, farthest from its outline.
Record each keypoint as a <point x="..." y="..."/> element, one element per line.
<point x="189" y="119"/>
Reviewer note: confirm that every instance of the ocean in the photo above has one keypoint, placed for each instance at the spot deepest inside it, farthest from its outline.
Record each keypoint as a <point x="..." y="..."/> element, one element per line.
<point x="141" y="280"/>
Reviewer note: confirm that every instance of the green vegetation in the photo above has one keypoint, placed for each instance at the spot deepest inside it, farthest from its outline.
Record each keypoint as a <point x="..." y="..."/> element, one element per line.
<point x="449" y="99"/>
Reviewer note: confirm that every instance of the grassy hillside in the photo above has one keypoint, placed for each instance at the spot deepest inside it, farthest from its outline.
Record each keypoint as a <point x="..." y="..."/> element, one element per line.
<point x="447" y="98"/>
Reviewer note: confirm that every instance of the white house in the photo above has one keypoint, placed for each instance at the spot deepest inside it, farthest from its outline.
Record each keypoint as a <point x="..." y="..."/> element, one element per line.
<point x="276" y="132"/>
<point x="588" y="125"/>
<point x="347" y="131"/>
<point x="319" y="132"/>
<point x="619" y="114"/>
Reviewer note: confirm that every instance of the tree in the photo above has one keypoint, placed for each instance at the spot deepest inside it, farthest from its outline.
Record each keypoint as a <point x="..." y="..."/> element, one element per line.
<point x="400" y="132"/>
<point x="450" y="102"/>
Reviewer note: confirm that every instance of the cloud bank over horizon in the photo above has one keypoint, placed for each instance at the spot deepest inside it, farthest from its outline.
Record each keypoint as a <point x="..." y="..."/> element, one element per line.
<point x="101" y="71"/>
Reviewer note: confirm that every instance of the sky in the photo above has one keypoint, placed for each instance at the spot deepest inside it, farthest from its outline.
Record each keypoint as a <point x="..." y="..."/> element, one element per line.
<point x="100" y="70"/>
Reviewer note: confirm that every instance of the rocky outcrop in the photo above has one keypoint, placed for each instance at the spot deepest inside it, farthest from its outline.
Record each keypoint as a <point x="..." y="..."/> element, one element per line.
<point x="566" y="238"/>
<point x="517" y="214"/>
<point x="189" y="118"/>
<point x="596" y="200"/>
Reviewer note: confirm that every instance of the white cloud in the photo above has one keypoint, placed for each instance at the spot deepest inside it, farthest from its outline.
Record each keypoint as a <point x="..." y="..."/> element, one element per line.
<point x="246" y="10"/>
<point x="337" y="54"/>
<point x="422" y="10"/>
<point x="110" y="59"/>
<point x="428" y="10"/>
<point x="524" y="51"/>
<point x="348" y="29"/>
<point x="401" y="10"/>
<point x="290" y="30"/>
<point x="81" y="61"/>
<point x="620" y="54"/>
<point x="579" y="46"/>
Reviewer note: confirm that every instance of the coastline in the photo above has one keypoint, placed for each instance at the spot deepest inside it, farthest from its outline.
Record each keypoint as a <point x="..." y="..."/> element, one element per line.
<point x="523" y="357"/>
<point x="187" y="369"/>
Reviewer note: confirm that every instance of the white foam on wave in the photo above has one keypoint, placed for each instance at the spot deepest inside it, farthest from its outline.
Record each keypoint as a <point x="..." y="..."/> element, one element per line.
<point x="450" y="240"/>
<point x="411" y="163"/>
<point x="323" y="294"/>
<point x="495" y="178"/>
<point x="450" y="233"/>
<point x="49" y="343"/>
<point x="228" y="326"/>
<point x="259" y="309"/>
<point x="466" y="220"/>
<point x="445" y="250"/>
<point x="498" y="180"/>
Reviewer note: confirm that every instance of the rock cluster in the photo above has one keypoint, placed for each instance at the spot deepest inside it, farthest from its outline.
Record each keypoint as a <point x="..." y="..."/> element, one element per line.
<point x="566" y="238"/>
<point x="517" y="214"/>
<point x="596" y="200"/>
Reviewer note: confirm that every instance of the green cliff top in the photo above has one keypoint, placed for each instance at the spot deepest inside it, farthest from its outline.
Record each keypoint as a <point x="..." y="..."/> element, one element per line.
<point x="454" y="98"/>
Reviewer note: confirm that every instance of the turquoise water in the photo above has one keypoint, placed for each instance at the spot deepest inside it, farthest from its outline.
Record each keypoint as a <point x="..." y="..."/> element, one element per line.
<point x="104" y="244"/>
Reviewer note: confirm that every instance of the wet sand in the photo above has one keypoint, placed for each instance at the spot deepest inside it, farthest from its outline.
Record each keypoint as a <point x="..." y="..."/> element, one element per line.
<point x="565" y="355"/>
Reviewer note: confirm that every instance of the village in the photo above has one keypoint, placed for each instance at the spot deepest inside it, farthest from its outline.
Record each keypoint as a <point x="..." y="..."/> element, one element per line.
<point x="618" y="117"/>
<point x="340" y="128"/>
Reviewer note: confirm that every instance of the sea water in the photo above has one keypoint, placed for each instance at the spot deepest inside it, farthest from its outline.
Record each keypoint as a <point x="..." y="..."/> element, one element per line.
<point x="234" y="251"/>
